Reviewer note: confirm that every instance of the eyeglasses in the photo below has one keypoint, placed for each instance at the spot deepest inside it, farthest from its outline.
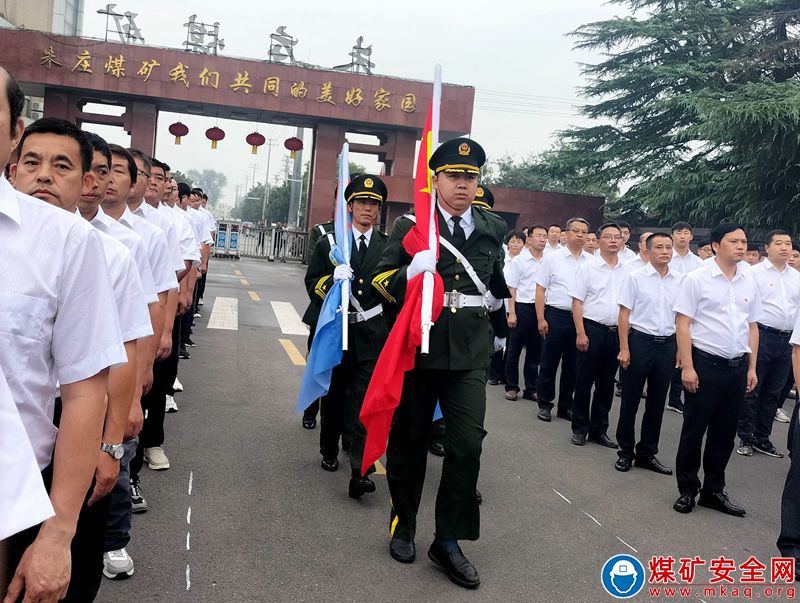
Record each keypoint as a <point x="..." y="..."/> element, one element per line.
<point x="143" y="173"/>
<point x="579" y="232"/>
<point x="611" y="237"/>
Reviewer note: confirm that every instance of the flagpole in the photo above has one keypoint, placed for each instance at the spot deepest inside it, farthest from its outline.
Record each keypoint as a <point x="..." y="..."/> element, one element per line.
<point x="344" y="179"/>
<point x="433" y="243"/>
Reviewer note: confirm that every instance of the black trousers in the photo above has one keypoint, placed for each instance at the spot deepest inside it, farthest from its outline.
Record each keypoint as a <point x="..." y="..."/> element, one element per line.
<point x="313" y="409"/>
<point x="759" y="407"/>
<point x="462" y="397"/>
<point x="497" y="366"/>
<point x="652" y="362"/>
<point x="676" y="388"/>
<point x="789" y="539"/>
<point x="524" y="335"/>
<point x="596" y="367"/>
<point x="201" y="288"/>
<point x="186" y="325"/>
<point x="711" y="412"/>
<point x="558" y="348"/>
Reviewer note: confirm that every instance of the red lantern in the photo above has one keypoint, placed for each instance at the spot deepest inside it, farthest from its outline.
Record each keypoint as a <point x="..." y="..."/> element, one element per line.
<point x="255" y="140"/>
<point x="178" y="130"/>
<point x="294" y="144"/>
<point x="215" y="134"/>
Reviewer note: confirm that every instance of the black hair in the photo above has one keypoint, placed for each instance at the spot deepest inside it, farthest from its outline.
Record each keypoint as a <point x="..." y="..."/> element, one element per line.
<point x="99" y="146"/>
<point x="795" y="245"/>
<point x="125" y="154"/>
<point x="656" y="235"/>
<point x="61" y="127"/>
<point x="554" y="224"/>
<point x="16" y="101"/>
<point x="184" y="190"/>
<point x="775" y="233"/>
<point x="719" y="231"/>
<point x="681" y="226"/>
<point x="205" y="196"/>
<point x="605" y="226"/>
<point x="703" y="243"/>
<point x="574" y="219"/>
<point x="535" y="226"/>
<point x="197" y="191"/>
<point x="145" y="159"/>
<point x="158" y="164"/>
<point x="166" y="167"/>
<point x="623" y="224"/>
<point x="752" y="247"/>
<point x="515" y="233"/>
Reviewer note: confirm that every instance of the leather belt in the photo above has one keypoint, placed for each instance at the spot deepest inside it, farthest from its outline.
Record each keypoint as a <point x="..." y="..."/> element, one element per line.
<point x="600" y="325"/>
<point x="729" y="362"/>
<point x="775" y="331"/>
<point x="456" y="299"/>
<point x="657" y="339"/>
<point x="559" y="310"/>
<point x="364" y="316"/>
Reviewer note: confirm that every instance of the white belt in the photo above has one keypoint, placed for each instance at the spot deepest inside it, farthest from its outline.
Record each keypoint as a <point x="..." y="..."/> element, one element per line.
<point x="365" y="315"/>
<point x="454" y="299"/>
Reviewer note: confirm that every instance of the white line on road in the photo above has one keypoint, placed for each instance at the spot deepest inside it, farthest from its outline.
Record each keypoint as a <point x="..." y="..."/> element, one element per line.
<point x="289" y="319"/>
<point x="191" y="477"/>
<point x="561" y="495"/>
<point x="225" y="314"/>
<point x="188" y="578"/>
<point x="189" y="515"/>
<point x="188" y="538"/>
<point x="592" y="518"/>
<point x="627" y="545"/>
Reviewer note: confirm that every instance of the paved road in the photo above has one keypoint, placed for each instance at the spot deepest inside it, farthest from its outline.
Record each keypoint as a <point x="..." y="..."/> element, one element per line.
<point x="246" y="513"/>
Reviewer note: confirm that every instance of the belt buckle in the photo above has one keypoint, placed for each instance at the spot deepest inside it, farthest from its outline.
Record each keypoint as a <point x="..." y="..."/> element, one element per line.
<point x="453" y="299"/>
<point x="659" y="339"/>
<point x="734" y="362"/>
<point x="612" y="329"/>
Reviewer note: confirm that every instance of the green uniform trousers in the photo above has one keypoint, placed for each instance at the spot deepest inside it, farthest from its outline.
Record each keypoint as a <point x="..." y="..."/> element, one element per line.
<point x="462" y="396"/>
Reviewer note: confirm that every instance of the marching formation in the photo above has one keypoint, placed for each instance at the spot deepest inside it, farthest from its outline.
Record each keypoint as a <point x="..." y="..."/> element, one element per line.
<point x="104" y="261"/>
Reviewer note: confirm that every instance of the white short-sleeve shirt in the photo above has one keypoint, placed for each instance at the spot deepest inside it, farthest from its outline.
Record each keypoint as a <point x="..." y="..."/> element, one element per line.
<point x="780" y="294"/>
<point x="190" y="248"/>
<point x="557" y="276"/>
<point x="599" y="285"/>
<point x="161" y="261"/>
<point x="58" y="317"/>
<point x="795" y="339"/>
<point x="520" y="275"/>
<point x="167" y="226"/>
<point x="200" y="224"/>
<point x="685" y="263"/>
<point x="721" y="310"/>
<point x="650" y="298"/>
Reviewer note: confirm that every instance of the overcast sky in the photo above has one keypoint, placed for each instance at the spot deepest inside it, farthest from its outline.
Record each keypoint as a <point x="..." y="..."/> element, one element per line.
<point x="514" y="52"/>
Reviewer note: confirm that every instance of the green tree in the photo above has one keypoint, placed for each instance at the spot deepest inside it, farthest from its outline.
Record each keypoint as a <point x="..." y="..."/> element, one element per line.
<point x="211" y="181"/>
<point x="181" y="177"/>
<point x="277" y="208"/>
<point x="698" y="108"/>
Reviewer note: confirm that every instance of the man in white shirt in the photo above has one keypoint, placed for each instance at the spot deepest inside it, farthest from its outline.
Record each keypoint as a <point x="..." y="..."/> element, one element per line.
<point x="789" y="538"/>
<point x="523" y="328"/>
<point x="626" y="254"/>
<point x="553" y="239"/>
<point x="704" y="249"/>
<point x="718" y="307"/>
<point x="647" y="351"/>
<point x="595" y="310"/>
<point x="63" y="288"/>
<point x="779" y="287"/>
<point x="641" y="258"/>
<point x="590" y="244"/>
<point x="554" y="282"/>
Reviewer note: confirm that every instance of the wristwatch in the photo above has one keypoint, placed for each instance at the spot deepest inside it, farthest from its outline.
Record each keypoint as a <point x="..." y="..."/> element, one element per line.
<point x="115" y="451"/>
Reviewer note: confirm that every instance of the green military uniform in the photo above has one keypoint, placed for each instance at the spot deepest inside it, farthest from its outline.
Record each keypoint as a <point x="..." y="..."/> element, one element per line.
<point x="454" y="372"/>
<point x="367" y="331"/>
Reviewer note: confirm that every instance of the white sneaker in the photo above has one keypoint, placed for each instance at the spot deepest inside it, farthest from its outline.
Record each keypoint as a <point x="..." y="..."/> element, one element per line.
<point x="200" y="302"/>
<point x="138" y="503"/>
<point x="170" y="406"/>
<point x="156" y="459"/>
<point x="781" y="417"/>
<point x="177" y="386"/>
<point x="117" y="564"/>
<point x="197" y="315"/>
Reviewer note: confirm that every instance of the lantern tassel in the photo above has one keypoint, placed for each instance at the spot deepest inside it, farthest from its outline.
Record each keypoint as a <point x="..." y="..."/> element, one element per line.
<point x="213" y="144"/>
<point x="254" y="150"/>
<point x="292" y="154"/>
<point x="177" y="140"/>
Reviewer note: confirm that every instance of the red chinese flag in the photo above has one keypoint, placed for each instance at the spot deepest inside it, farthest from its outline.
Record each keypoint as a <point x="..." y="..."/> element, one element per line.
<point x="397" y="357"/>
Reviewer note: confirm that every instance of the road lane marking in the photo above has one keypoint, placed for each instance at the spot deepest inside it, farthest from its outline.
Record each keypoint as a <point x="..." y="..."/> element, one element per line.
<point x="188" y="578"/>
<point x="191" y="478"/>
<point x="237" y="272"/>
<point x="254" y="296"/>
<point x="379" y="468"/>
<point x="245" y="282"/>
<point x="627" y="545"/>
<point x="288" y="319"/>
<point x="294" y="354"/>
<point x="189" y="516"/>
<point x="561" y="495"/>
<point x="592" y="518"/>
<point x="225" y="314"/>
<point x="189" y="521"/>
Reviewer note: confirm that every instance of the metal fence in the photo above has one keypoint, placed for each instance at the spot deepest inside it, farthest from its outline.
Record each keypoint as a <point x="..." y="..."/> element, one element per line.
<point x="274" y="244"/>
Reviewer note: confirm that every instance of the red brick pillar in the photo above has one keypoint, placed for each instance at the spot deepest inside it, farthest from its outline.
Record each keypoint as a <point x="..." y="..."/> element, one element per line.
<point x="328" y="141"/>
<point x="141" y="125"/>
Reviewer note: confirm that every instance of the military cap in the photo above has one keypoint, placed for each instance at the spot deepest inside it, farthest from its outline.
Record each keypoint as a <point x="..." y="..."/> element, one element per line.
<point x="484" y="197"/>
<point x="366" y="186"/>
<point x="460" y="155"/>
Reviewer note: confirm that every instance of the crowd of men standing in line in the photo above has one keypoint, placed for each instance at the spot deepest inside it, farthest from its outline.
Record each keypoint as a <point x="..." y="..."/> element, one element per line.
<point x="104" y="257"/>
<point x="709" y="335"/>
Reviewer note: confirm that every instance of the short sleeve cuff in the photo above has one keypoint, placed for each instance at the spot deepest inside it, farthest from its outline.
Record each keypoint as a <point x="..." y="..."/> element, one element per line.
<point x="91" y="365"/>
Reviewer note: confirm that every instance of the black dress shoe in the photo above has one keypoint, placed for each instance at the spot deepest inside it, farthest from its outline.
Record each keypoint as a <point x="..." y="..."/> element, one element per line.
<point x="564" y="414"/>
<point x="309" y="422"/>
<point x="719" y="501"/>
<point x="579" y="439"/>
<point x="653" y="464"/>
<point x="603" y="440"/>
<point x="190" y="343"/>
<point x="544" y="415"/>
<point x="478" y="496"/>
<point x="684" y="504"/>
<point x="623" y="464"/>
<point x="436" y="448"/>
<point x="457" y="567"/>
<point x="359" y="486"/>
<point x="530" y="396"/>
<point x="402" y="550"/>
<point x="183" y="355"/>
<point x="330" y="464"/>
<point x="494" y="382"/>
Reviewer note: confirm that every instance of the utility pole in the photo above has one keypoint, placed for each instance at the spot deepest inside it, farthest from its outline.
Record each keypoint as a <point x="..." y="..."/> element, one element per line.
<point x="236" y="197"/>
<point x="270" y="143"/>
<point x="297" y="177"/>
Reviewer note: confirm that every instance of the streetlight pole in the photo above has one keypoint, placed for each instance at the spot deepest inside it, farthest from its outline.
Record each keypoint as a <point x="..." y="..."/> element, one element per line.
<point x="270" y="144"/>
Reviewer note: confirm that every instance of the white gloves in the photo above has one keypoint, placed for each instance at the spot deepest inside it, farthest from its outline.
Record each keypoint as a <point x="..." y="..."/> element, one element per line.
<point x="492" y="303"/>
<point x="423" y="261"/>
<point x="342" y="272"/>
<point x="499" y="343"/>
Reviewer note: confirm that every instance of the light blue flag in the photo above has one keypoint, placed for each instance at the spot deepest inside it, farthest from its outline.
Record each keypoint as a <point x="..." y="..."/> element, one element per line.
<point x="326" y="348"/>
<point x="437" y="412"/>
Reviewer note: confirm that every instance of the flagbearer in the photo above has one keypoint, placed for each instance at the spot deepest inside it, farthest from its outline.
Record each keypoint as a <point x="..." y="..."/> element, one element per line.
<point x="367" y="330"/>
<point x="454" y="372"/>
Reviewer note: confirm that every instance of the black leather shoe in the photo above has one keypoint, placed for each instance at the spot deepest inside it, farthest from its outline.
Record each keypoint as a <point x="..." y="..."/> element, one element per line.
<point x="530" y="396"/>
<point x="478" y="496"/>
<point x="564" y="414"/>
<point x="402" y="550"/>
<point x="436" y="448"/>
<point x="579" y="439"/>
<point x="309" y="422"/>
<point x="603" y="440"/>
<point x="190" y="343"/>
<point x="330" y="464"/>
<point x="494" y="382"/>
<point x="653" y="464"/>
<point x="544" y="415"/>
<point x="684" y="504"/>
<point x="359" y="486"/>
<point x="455" y="565"/>
<point x="183" y="355"/>
<point x="623" y="464"/>
<point x="719" y="501"/>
